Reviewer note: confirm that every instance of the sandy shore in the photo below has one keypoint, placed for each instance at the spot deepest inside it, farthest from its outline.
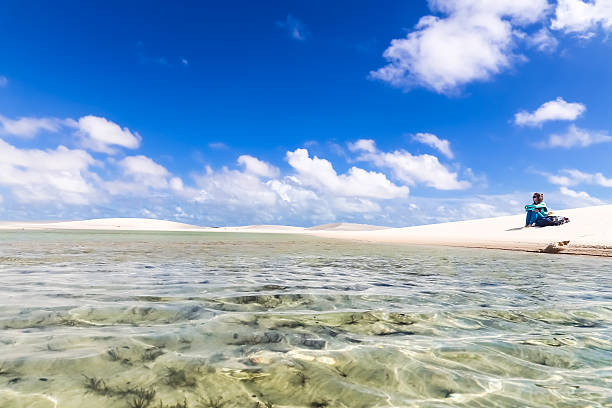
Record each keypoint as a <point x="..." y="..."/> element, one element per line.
<point x="588" y="233"/>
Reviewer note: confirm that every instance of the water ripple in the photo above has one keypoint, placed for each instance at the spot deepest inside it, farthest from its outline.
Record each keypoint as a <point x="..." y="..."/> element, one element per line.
<point x="204" y="320"/>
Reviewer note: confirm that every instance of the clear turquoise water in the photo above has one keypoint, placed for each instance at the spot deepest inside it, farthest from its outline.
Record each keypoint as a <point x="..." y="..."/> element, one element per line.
<point x="94" y="319"/>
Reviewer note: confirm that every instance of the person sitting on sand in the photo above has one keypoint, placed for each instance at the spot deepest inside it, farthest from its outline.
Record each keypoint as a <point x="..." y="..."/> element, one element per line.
<point x="537" y="210"/>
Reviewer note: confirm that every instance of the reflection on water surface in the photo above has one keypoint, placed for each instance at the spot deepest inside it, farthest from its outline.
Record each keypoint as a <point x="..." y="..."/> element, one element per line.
<point x="137" y="320"/>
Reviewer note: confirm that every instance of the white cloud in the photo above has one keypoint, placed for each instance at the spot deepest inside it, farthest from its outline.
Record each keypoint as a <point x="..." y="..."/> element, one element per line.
<point x="140" y="173"/>
<point x="319" y="174"/>
<point x="313" y="193"/>
<point x="233" y="197"/>
<point x="561" y="180"/>
<point x="296" y="29"/>
<point x="100" y="135"/>
<point x="176" y="183"/>
<point x="66" y="182"/>
<point x="257" y="167"/>
<point x="142" y="165"/>
<point x="3" y="81"/>
<point x="583" y="196"/>
<point x="145" y="171"/>
<point x="442" y="145"/>
<point x="582" y="18"/>
<point x="28" y="127"/>
<point x="309" y="196"/>
<point x="63" y="175"/>
<point x="576" y="137"/>
<point x="412" y="169"/>
<point x="542" y="40"/>
<point x="456" y="209"/>
<point x="573" y="177"/>
<point x="96" y="133"/>
<point x="558" y="109"/>
<point x="234" y="188"/>
<point x="47" y="175"/>
<point x="519" y="11"/>
<point x="473" y="42"/>
<point x="366" y="145"/>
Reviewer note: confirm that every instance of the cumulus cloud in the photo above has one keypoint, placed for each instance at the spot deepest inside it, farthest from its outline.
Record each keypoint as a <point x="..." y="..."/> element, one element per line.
<point x="582" y="18"/>
<point x="145" y="170"/>
<point x="573" y="177"/>
<point x="35" y="175"/>
<point x="576" y="137"/>
<point x="583" y="196"/>
<point x="292" y="199"/>
<point x="320" y="174"/>
<point x="431" y="140"/>
<point x="311" y="192"/>
<point x="68" y="182"/>
<point x="72" y="176"/>
<point x="142" y="166"/>
<point x="234" y="197"/>
<point x="296" y="29"/>
<point x="472" y="42"/>
<point x="96" y="133"/>
<point x="258" y="167"/>
<point x="176" y="184"/>
<point x="141" y="173"/>
<point x="28" y="127"/>
<point x="413" y="169"/>
<point x="366" y="145"/>
<point x="234" y="188"/>
<point x="558" y="109"/>
<point x="102" y="135"/>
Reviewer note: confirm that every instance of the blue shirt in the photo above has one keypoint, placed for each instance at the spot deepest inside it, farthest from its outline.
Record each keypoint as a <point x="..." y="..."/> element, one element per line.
<point x="541" y="206"/>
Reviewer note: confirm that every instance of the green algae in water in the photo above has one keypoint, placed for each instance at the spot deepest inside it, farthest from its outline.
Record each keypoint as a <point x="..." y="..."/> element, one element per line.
<point x="190" y="320"/>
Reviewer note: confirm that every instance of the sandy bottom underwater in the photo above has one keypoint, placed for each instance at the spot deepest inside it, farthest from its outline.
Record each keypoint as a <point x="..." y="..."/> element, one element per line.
<point x="137" y="320"/>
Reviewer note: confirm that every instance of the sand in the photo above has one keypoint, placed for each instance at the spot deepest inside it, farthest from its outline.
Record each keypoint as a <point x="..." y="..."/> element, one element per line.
<point x="345" y="226"/>
<point x="588" y="233"/>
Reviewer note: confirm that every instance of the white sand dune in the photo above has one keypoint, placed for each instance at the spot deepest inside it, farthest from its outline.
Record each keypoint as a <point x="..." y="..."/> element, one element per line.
<point x="346" y="226"/>
<point x="269" y="229"/>
<point x="589" y="232"/>
<point x="341" y="226"/>
<point x="127" y="224"/>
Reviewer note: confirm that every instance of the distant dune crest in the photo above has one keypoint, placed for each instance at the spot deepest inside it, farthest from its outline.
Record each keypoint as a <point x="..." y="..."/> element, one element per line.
<point x="346" y="226"/>
<point x="151" y="224"/>
<point x="588" y="233"/>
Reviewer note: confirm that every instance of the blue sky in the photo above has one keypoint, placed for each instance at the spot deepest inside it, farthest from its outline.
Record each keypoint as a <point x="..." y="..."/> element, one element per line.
<point x="303" y="112"/>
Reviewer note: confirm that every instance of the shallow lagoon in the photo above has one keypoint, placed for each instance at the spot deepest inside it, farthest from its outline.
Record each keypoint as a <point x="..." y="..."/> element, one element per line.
<point x="128" y="320"/>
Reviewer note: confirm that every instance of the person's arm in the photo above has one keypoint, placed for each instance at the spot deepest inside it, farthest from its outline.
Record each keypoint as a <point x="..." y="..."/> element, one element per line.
<point x="543" y="209"/>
